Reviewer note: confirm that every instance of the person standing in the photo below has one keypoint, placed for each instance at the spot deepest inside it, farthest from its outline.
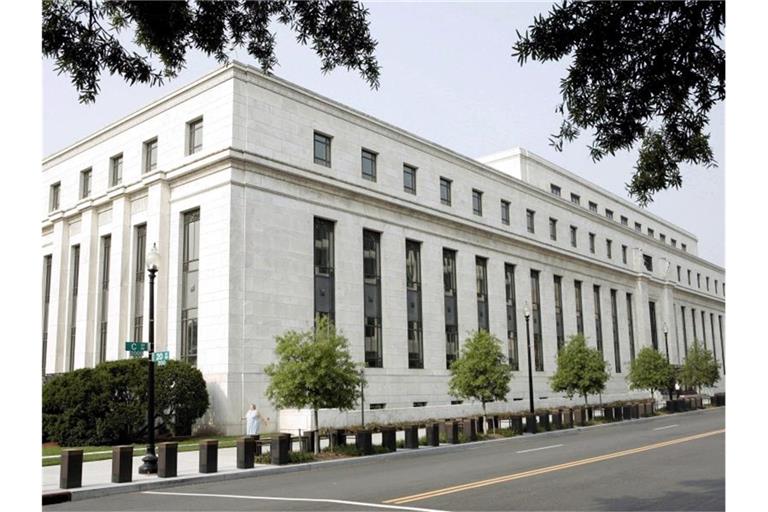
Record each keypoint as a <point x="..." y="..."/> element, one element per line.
<point x="252" y="421"/>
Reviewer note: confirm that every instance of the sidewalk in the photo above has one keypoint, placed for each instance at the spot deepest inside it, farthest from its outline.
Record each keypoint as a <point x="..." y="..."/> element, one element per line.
<point x="99" y="473"/>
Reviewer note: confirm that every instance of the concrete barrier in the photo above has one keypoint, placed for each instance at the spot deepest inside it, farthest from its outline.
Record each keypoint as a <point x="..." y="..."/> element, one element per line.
<point x="209" y="456"/>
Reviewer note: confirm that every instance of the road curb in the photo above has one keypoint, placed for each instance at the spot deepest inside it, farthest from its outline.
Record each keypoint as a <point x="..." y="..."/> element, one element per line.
<point x="60" y="496"/>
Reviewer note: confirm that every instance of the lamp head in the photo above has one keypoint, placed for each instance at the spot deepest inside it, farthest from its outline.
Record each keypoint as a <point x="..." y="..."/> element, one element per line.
<point x="153" y="258"/>
<point x="526" y="311"/>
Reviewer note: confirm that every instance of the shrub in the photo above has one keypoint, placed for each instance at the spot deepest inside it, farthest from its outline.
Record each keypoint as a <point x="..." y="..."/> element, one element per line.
<point x="108" y="404"/>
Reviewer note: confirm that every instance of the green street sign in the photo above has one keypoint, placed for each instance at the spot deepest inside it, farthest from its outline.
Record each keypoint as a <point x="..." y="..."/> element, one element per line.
<point x="137" y="355"/>
<point x="161" y="357"/>
<point x="136" y="346"/>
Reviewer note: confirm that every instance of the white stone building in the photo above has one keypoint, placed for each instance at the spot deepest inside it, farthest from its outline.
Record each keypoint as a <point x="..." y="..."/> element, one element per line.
<point x="236" y="175"/>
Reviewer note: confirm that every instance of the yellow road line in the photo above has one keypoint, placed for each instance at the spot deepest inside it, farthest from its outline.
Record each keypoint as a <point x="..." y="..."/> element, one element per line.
<point x="548" y="469"/>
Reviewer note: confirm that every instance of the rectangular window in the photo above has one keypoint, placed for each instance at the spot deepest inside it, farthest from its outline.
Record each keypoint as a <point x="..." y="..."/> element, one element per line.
<point x="712" y="330"/>
<point x="555" y="189"/>
<point x="707" y="281"/>
<point x="322" y="149"/>
<point x="608" y="214"/>
<point x="698" y="280"/>
<point x="573" y="236"/>
<point x="419" y="404"/>
<point x="722" y="340"/>
<point x="73" y="290"/>
<point x="684" y="247"/>
<point x="689" y="277"/>
<point x="140" y="252"/>
<point x="650" y="232"/>
<point x="150" y="155"/>
<point x="53" y="197"/>
<point x="608" y="249"/>
<point x="559" y="329"/>
<point x="481" y="274"/>
<point x="538" y="349"/>
<point x="116" y="170"/>
<point x="85" y="183"/>
<point x="679" y="273"/>
<point x="325" y="300"/>
<point x="673" y="242"/>
<point x="450" y="305"/>
<point x="377" y="406"/>
<point x="505" y="212"/>
<point x="716" y="287"/>
<point x="409" y="179"/>
<point x="579" y="308"/>
<point x="575" y="199"/>
<point x="368" y="164"/>
<point x="592" y="243"/>
<point x="654" y="331"/>
<point x="552" y="229"/>
<point x="685" y="332"/>
<point x="477" y="202"/>
<point x="445" y="191"/>
<point x="624" y="254"/>
<point x="372" y="298"/>
<point x="190" y="269"/>
<point x="648" y="262"/>
<point x="194" y="136"/>
<point x="106" y="245"/>
<point x="529" y="221"/>
<point x="47" y="266"/>
<point x="638" y="227"/>
<point x="631" y="328"/>
<point x="593" y="207"/>
<point x="509" y="281"/>
<point x="662" y="237"/>
<point x="704" y="329"/>
<point x="615" y="324"/>
<point x="598" y="319"/>
<point x="413" y="285"/>
<point x="624" y="221"/>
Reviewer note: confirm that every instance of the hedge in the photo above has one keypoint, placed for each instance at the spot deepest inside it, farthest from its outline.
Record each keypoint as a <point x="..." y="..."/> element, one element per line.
<point x="108" y="404"/>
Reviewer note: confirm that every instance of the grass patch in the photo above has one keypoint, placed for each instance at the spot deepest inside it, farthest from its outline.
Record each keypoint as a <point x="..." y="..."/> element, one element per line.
<point x="91" y="453"/>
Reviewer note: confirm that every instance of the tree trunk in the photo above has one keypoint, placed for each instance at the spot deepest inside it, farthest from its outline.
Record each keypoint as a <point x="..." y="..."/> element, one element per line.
<point x="316" y="433"/>
<point x="485" y="418"/>
<point x="586" y="403"/>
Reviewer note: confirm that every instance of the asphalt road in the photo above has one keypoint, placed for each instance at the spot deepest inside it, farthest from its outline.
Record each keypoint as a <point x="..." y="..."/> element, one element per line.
<point x="674" y="462"/>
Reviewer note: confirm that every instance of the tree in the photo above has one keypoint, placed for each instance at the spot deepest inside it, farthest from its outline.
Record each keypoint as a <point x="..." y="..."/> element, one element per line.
<point x="700" y="368"/>
<point x="82" y="36"/>
<point x="650" y="370"/>
<point x="580" y="369"/>
<point x="481" y="371"/>
<point x="639" y="71"/>
<point x="314" y="369"/>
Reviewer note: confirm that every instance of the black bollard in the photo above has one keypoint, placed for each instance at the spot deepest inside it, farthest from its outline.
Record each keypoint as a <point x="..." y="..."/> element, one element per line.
<point x="279" y="449"/>
<point x="245" y="452"/>
<point x="167" y="459"/>
<point x="412" y="437"/>
<point x="71" y="468"/>
<point x="389" y="438"/>
<point x="363" y="442"/>
<point x="122" y="464"/>
<point x="209" y="456"/>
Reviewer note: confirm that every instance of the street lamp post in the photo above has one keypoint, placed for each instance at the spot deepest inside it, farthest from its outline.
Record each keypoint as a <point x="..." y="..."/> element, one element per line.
<point x="666" y="342"/>
<point x="527" y="314"/>
<point x="150" y="459"/>
<point x="362" y="397"/>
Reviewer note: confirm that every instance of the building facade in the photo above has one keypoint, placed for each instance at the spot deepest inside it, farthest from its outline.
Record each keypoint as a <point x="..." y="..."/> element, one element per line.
<point x="270" y="204"/>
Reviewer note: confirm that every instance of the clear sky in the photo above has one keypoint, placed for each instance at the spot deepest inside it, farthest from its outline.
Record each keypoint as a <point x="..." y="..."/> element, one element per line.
<point x="448" y="76"/>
